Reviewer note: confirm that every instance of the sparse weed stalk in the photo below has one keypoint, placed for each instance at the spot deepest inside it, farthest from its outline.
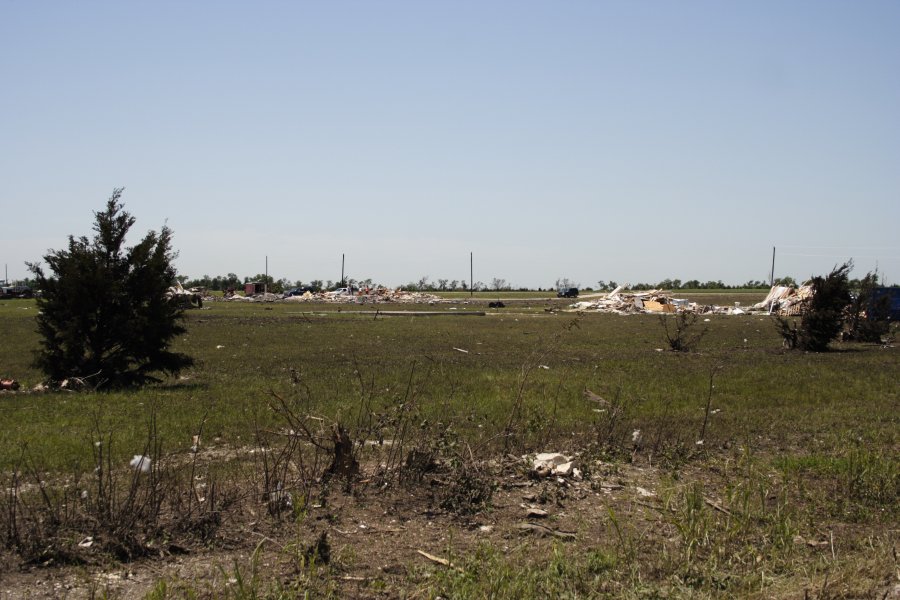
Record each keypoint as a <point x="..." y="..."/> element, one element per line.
<point x="692" y="520"/>
<point x="118" y="511"/>
<point x="872" y="479"/>
<point x="611" y="426"/>
<point x="557" y="572"/>
<point x="534" y="362"/>
<point x="625" y="547"/>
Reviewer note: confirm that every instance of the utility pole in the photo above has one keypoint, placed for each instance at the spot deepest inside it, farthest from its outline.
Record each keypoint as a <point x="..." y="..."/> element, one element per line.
<point x="772" y="273"/>
<point x="471" y="274"/>
<point x="266" y="282"/>
<point x="342" y="271"/>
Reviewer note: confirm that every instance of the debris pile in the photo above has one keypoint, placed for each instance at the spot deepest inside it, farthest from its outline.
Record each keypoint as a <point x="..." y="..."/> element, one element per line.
<point x="786" y="301"/>
<point x="547" y="464"/>
<point x="263" y="297"/>
<point x="369" y="296"/>
<point x="652" y="301"/>
<point x="378" y="295"/>
<point x="186" y="298"/>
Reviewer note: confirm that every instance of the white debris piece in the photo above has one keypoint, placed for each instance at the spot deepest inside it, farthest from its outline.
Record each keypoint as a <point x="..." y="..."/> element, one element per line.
<point x="546" y="464"/>
<point x="140" y="463"/>
<point x="563" y="469"/>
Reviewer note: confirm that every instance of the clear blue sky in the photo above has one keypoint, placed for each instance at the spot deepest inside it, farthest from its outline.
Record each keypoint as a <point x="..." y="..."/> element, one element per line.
<point x="627" y="141"/>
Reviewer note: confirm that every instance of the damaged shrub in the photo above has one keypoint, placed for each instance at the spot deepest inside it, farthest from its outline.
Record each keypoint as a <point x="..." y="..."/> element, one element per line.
<point x="684" y="335"/>
<point x="466" y="490"/>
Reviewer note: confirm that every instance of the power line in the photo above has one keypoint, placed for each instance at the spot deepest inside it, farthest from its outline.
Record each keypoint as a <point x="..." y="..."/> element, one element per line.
<point x="836" y="256"/>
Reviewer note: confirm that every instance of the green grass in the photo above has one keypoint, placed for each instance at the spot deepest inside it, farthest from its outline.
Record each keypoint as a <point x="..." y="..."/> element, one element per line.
<point x="795" y="443"/>
<point x="244" y="351"/>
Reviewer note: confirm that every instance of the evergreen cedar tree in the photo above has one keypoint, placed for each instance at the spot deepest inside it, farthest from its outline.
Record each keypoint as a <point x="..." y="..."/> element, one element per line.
<point x="104" y="315"/>
<point x="823" y="318"/>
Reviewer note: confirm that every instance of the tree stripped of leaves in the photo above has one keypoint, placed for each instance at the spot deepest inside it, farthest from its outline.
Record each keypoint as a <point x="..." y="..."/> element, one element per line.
<point x="104" y="312"/>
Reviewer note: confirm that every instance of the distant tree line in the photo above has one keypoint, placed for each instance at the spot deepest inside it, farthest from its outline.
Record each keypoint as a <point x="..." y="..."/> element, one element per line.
<point x="426" y="284"/>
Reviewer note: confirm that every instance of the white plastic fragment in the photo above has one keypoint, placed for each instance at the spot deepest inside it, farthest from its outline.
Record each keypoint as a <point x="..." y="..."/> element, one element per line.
<point x="140" y="463"/>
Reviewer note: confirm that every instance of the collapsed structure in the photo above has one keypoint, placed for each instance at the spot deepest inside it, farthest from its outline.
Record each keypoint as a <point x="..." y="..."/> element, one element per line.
<point x="185" y="298"/>
<point x="785" y="301"/>
<point x="781" y="300"/>
<point x="378" y="295"/>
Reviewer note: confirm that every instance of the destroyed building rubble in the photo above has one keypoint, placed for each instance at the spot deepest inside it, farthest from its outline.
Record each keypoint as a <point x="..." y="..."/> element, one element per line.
<point x="781" y="300"/>
<point x="371" y="296"/>
<point x="785" y="301"/>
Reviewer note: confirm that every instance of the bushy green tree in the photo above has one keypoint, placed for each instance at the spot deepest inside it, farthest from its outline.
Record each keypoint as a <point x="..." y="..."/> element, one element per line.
<point x="868" y="318"/>
<point x="823" y="314"/>
<point x="104" y="313"/>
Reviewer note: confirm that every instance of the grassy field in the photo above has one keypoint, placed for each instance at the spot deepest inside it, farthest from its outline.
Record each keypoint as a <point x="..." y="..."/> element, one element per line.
<point x="770" y="473"/>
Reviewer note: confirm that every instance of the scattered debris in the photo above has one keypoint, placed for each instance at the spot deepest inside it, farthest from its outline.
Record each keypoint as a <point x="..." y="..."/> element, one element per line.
<point x="800" y="540"/>
<point x="365" y="296"/>
<point x="535" y="513"/>
<point x="461" y="350"/>
<point x="72" y="384"/>
<point x="546" y="531"/>
<point x="717" y="506"/>
<point x="140" y="463"/>
<point x="439" y="560"/>
<point x="9" y="384"/>
<point x="547" y="464"/>
<point x="279" y="498"/>
<point x="591" y="396"/>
